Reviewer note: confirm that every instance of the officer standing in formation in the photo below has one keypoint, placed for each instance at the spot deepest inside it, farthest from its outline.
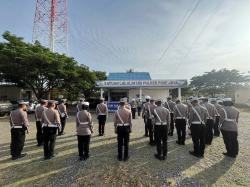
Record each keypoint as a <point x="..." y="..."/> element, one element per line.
<point x="139" y="107"/>
<point x="123" y="127"/>
<point x="19" y="124"/>
<point x="145" y="114"/>
<point x="150" y="121"/>
<point x="229" y="127"/>
<point x="217" y="117"/>
<point x="51" y="123"/>
<point x="180" y="115"/>
<point x="79" y="105"/>
<point x="169" y="104"/>
<point x="63" y="115"/>
<point x="84" y="129"/>
<point x="38" y="116"/>
<point x="211" y="111"/>
<point x="162" y="121"/>
<point x="197" y="119"/>
<point x="102" y="113"/>
<point x="133" y="105"/>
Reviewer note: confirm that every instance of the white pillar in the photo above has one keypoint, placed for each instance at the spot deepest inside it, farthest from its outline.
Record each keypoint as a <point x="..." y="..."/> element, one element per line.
<point x="179" y="93"/>
<point x="101" y="93"/>
<point x="140" y="94"/>
<point x="108" y="95"/>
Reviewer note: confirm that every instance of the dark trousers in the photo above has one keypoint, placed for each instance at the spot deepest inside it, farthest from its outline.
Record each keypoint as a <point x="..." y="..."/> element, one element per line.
<point x="198" y="136"/>
<point x="63" y="123"/>
<point x="123" y="141"/>
<point x="146" y="126"/>
<point x="231" y="142"/>
<point x="83" y="145"/>
<point x="180" y="125"/>
<point x="216" y="126"/>
<point x="133" y="110"/>
<point x="102" y="122"/>
<point x="151" y="131"/>
<point x="209" y="131"/>
<point x="161" y="137"/>
<point x="49" y="137"/>
<point x="39" y="133"/>
<point x="171" y="129"/>
<point x="139" y="111"/>
<point x="17" y="141"/>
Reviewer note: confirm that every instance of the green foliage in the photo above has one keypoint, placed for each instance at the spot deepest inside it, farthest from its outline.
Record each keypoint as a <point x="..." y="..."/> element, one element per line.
<point x="36" y="67"/>
<point x="221" y="81"/>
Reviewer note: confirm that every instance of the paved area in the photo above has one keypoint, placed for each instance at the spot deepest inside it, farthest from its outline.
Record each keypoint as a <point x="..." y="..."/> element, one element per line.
<point x="102" y="168"/>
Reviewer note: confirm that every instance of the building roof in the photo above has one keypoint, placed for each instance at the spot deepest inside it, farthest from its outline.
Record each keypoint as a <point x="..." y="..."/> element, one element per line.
<point x="129" y="76"/>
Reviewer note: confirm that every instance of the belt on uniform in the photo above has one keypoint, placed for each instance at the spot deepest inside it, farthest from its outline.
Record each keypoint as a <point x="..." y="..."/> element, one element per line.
<point x="196" y="122"/>
<point x="230" y="120"/>
<point x="180" y="118"/>
<point x="17" y="127"/>
<point x="84" y="123"/>
<point x="121" y="125"/>
<point x="101" y="114"/>
<point x="50" y="125"/>
<point x="209" y="118"/>
<point x="162" y="123"/>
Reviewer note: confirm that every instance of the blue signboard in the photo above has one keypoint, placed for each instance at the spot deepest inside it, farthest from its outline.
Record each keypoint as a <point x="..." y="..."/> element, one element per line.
<point x="113" y="106"/>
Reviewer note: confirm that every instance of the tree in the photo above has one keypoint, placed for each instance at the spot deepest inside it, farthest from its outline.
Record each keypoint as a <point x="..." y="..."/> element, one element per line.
<point x="36" y="67"/>
<point x="220" y="81"/>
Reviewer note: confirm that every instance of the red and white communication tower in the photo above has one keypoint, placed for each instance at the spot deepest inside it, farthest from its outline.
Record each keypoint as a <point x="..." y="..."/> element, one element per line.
<point x="51" y="25"/>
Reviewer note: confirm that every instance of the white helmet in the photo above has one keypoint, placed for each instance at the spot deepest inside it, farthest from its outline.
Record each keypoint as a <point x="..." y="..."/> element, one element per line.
<point x="147" y="97"/>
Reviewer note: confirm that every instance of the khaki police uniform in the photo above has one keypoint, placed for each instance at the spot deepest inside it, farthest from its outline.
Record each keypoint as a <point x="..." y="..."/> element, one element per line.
<point x="123" y="126"/>
<point x="170" y="106"/>
<point x="38" y="115"/>
<point x="51" y="122"/>
<point x="197" y="119"/>
<point x="133" y="105"/>
<point x="63" y="116"/>
<point x="84" y="129"/>
<point x="211" y="111"/>
<point x="102" y="113"/>
<point x="180" y="115"/>
<point x="150" y="122"/>
<point x="162" y="122"/>
<point x="19" y="123"/>
<point x="229" y="129"/>
<point x="139" y="107"/>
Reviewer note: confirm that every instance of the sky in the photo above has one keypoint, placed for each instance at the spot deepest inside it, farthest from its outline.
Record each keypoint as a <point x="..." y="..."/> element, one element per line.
<point x="171" y="39"/>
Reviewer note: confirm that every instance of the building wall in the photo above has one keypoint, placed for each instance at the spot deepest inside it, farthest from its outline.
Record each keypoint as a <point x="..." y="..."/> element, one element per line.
<point x="242" y="95"/>
<point x="8" y="92"/>
<point x="155" y="93"/>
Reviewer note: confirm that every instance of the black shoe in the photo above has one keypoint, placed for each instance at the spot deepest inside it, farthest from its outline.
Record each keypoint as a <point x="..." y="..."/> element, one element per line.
<point x="81" y="158"/>
<point x="146" y="135"/>
<point x="158" y="157"/>
<point x="86" y="157"/>
<point x="119" y="158"/>
<point x="229" y="155"/>
<point x="46" y="157"/>
<point x="22" y="155"/>
<point x="126" y="159"/>
<point x="182" y="143"/>
<point x="208" y="143"/>
<point x="201" y="156"/>
<point x="100" y="134"/>
<point x="194" y="154"/>
<point x="14" y="157"/>
<point x="164" y="158"/>
<point x="178" y="142"/>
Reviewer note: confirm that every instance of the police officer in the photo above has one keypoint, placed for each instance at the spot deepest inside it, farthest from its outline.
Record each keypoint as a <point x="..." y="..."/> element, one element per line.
<point x="84" y="129"/>
<point x="63" y="115"/>
<point x="133" y="105"/>
<point x="197" y="120"/>
<point x="145" y="114"/>
<point x="139" y="106"/>
<point x="162" y="121"/>
<point x="102" y="113"/>
<point x="123" y="126"/>
<point x="210" y="120"/>
<point x="51" y="122"/>
<point x="19" y="123"/>
<point x="38" y="115"/>
<point x="217" y="117"/>
<point x="79" y="104"/>
<point x="229" y="128"/>
<point x="180" y="116"/>
<point x="150" y="121"/>
<point x="169" y="104"/>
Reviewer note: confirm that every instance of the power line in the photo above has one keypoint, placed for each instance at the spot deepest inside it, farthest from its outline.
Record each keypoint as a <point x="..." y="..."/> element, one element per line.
<point x="186" y="19"/>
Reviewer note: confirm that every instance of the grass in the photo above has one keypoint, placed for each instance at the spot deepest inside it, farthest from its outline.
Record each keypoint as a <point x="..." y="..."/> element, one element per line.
<point x="102" y="168"/>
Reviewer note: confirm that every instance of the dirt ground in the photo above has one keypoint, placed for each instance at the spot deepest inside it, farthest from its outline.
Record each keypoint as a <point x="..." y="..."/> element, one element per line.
<point x="103" y="169"/>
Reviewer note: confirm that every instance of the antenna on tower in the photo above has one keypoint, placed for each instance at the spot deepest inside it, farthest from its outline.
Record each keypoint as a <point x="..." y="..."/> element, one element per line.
<point x="51" y="25"/>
